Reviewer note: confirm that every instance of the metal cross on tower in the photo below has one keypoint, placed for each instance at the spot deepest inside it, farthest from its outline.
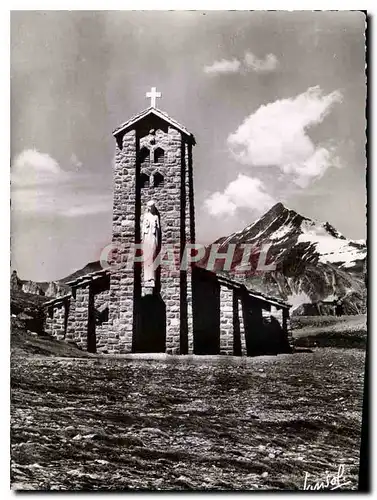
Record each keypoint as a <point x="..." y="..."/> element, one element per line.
<point x="153" y="94"/>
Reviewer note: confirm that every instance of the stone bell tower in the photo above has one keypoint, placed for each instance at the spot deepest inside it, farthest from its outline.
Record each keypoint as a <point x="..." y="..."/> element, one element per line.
<point x="153" y="162"/>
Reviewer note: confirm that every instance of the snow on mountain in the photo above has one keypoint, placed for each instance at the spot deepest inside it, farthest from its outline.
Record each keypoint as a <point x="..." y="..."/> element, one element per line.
<point x="285" y="229"/>
<point x="331" y="245"/>
<point x="314" y="261"/>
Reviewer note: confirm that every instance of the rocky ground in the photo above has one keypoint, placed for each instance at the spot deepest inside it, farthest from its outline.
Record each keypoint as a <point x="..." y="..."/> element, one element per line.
<point x="185" y="423"/>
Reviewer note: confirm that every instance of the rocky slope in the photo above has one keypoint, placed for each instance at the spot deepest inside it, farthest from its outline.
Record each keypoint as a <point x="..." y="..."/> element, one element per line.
<point x="52" y="288"/>
<point x="42" y="288"/>
<point x="27" y="311"/>
<point x="314" y="262"/>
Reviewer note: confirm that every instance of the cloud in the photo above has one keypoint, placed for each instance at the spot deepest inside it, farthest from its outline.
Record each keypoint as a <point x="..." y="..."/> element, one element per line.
<point x="32" y="168"/>
<point x="276" y="135"/>
<point x="223" y="66"/>
<point x="39" y="186"/>
<point x="250" y="63"/>
<point x="245" y="192"/>
<point x="313" y="167"/>
<point x="269" y="63"/>
<point x="219" y="204"/>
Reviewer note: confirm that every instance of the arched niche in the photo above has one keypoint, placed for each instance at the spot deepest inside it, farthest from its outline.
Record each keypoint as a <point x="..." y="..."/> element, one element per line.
<point x="144" y="180"/>
<point x="158" y="179"/>
<point x="159" y="156"/>
<point x="144" y="155"/>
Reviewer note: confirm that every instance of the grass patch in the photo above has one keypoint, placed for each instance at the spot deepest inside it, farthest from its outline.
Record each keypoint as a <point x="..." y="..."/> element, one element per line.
<point x="330" y="331"/>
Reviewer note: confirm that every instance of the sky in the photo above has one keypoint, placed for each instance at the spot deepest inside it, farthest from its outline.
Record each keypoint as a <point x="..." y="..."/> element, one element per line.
<point x="275" y="100"/>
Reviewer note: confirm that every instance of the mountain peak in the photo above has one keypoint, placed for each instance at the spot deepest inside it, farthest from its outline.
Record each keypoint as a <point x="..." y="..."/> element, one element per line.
<point x="288" y="231"/>
<point x="312" y="258"/>
<point x="277" y="216"/>
<point x="277" y="208"/>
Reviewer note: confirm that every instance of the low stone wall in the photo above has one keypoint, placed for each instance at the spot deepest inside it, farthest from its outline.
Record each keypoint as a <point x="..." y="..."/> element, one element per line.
<point x="170" y="294"/>
<point x="80" y="317"/>
<point x="190" y="332"/>
<point x="74" y="319"/>
<point x="56" y="319"/>
<point x="102" y="330"/>
<point x="239" y="328"/>
<point x="232" y="328"/>
<point x="226" y="321"/>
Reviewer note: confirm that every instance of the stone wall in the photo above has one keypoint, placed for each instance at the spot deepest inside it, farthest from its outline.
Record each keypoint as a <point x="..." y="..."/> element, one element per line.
<point x="49" y="321"/>
<point x="121" y="306"/>
<point x="242" y="333"/>
<point x="167" y="196"/>
<point x="101" y="300"/>
<point x="79" y="317"/>
<point x="226" y="321"/>
<point x="170" y="193"/>
<point x="55" y="324"/>
<point x="151" y="163"/>
<point x="74" y="318"/>
<point x="232" y="329"/>
<point x="189" y="237"/>
<point x="190" y="320"/>
<point x="168" y="201"/>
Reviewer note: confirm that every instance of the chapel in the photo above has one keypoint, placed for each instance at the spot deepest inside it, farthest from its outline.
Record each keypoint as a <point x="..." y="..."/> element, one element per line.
<point x="139" y="307"/>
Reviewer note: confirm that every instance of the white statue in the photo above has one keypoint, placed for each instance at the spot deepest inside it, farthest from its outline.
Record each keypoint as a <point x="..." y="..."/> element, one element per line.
<point x="150" y="241"/>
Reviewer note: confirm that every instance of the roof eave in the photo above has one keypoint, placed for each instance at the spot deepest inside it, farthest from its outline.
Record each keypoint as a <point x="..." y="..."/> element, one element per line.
<point x="160" y="114"/>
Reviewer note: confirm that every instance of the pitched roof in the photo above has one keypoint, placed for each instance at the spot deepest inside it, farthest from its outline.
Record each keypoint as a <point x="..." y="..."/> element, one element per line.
<point x="160" y="114"/>
<point x="87" y="278"/>
<point x="253" y="293"/>
<point x="58" y="300"/>
<point x="78" y="282"/>
<point x="232" y="282"/>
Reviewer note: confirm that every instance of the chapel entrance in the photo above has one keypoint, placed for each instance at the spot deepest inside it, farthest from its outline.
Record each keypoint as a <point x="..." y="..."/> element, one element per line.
<point x="151" y="333"/>
<point x="206" y="313"/>
<point x="254" y="329"/>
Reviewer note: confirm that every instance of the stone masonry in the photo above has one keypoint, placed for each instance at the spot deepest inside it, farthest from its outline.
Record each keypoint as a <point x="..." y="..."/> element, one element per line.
<point x="153" y="161"/>
<point x="121" y="308"/>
